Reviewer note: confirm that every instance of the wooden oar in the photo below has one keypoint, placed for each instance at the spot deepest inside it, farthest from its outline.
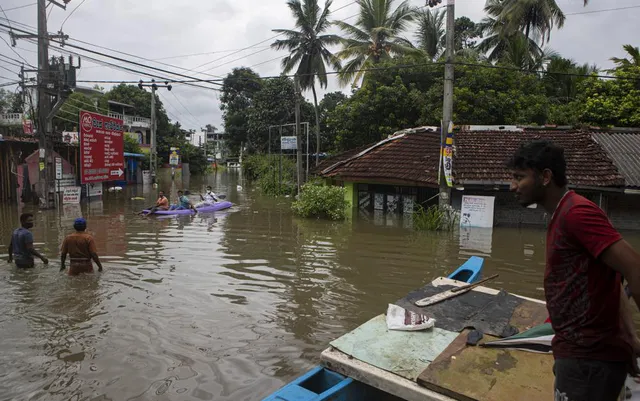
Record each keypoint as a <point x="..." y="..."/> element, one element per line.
<point x="454" y="292"/>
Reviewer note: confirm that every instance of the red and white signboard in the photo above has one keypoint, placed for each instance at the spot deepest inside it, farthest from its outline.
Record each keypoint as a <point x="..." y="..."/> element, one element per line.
<point x="101" y="148"/>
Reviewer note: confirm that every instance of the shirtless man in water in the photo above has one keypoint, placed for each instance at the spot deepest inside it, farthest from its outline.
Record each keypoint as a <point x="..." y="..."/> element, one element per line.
<point x="81" y="249"/>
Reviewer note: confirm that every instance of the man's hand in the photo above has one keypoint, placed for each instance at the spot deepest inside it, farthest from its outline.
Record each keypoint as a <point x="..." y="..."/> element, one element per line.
<point x="63" y="267"/>
<point x="100" y="268"/>
<point x="45" y="260"/>
<point x="10" y="260"/>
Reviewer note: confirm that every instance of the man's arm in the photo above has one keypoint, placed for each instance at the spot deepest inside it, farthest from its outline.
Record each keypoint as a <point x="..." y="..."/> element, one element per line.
<point x="94" y="254"/>
<point x="28" y="242"/>
<point x="622" y="258"/>
<point x="10" y="250"/>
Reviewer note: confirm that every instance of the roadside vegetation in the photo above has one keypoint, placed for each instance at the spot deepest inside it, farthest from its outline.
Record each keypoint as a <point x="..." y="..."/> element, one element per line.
<point x="318" y="200"/>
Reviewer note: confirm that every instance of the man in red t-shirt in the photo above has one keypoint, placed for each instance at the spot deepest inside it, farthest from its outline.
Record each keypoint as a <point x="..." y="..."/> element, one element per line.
<point x="595" y="344"/>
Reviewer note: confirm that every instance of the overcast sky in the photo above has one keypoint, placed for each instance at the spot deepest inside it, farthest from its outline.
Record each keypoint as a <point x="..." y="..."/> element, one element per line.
<point x="172" y="30"/>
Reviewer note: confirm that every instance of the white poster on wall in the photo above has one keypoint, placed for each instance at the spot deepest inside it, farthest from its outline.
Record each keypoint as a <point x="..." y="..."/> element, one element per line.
<point x="71" y="195"/>
<point x="95" y="189"/>
<point x="477" y="211"/>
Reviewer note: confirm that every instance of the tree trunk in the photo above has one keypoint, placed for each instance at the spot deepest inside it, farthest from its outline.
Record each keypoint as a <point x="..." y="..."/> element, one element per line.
<point x="315" y="103"/>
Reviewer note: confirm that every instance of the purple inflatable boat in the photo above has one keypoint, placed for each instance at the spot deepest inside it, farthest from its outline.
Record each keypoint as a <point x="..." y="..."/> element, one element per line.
<point x="218" y="206"/>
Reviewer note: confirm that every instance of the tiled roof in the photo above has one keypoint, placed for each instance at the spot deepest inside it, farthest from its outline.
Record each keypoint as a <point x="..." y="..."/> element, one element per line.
<point x="340" y="157"/>
<point x="410" y="157"/>
<point x="481" y="157"/>
<point x="624" y="149"/>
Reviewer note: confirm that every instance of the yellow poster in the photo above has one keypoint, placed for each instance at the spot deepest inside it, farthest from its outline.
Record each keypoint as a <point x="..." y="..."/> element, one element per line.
<point x="41" y="166"/>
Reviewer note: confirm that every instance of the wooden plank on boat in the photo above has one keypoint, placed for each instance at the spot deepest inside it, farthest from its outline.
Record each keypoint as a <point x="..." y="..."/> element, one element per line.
<point x="378" y="378"/>
<point x="471" y="373"/>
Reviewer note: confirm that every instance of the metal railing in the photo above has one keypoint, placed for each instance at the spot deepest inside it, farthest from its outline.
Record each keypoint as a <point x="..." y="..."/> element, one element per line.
<point x="132" y="121"/>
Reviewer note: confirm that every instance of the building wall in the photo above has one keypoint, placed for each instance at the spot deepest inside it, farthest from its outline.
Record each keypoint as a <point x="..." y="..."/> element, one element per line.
<point x="507" y="211"/>
<point x="624" y="211"/>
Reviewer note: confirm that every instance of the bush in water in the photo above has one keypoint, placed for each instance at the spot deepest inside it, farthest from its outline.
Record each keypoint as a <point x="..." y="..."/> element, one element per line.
<point x="321" y="201"/>
<point x="265" y="171"/>
<point x="435" y="218"/>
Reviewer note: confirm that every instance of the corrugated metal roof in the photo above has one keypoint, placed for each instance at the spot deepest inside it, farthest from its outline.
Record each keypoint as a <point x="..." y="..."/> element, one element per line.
<point x="624" y="150"/>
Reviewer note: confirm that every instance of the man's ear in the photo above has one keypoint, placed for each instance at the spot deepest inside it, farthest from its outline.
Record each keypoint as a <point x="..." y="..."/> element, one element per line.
<point x="547" y="177"/>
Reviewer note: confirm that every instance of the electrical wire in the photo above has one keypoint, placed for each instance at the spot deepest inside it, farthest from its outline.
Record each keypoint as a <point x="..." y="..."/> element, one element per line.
<point x="10" y="63"/>
<point x="71" y="13"/>
<point x="14" y="50"/>
<point x="195" y="119"/>
<point x="19" y="7"/>
<point x="66" y="44"/>
<point x="7" y="69"/>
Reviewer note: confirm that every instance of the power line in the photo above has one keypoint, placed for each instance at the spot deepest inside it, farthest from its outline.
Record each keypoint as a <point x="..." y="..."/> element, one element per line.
<point x="19" y="7"/>
<point x="195" y="119"/>
<point x="120" y="59"/>
<point x="10" y="63"/>
<point x="12" y="59"/>
<point x="256" y="44"/>
<point x="602" y="11"/>
<point x="7" y="69"/>
<point x="14" y="50"/>
<point x="71" y="13"/>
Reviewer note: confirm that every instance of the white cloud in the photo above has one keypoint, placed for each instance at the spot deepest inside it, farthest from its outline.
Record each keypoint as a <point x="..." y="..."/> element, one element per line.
<point x="165" y="28"/>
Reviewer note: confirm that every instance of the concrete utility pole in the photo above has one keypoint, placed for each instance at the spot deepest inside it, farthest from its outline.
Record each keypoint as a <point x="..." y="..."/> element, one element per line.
<point x="298" y="133"/>
<point x="447" y="106"/>
<point x="49" y="83"/>
<point x="154" y="143"/>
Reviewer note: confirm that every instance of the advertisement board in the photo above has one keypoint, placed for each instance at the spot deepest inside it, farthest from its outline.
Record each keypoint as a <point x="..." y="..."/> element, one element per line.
<point x="101" y="148"/>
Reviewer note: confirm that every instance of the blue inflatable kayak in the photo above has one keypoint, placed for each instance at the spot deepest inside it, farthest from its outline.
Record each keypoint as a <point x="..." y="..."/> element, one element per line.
<point x="214" y="208"/>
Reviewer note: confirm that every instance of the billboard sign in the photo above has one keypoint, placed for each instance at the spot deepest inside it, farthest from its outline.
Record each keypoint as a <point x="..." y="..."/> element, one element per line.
<point x="101" y="148"/>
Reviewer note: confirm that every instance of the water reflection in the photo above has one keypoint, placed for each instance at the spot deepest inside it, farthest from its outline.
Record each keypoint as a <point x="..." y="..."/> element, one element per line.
<point x="216" y="306"/>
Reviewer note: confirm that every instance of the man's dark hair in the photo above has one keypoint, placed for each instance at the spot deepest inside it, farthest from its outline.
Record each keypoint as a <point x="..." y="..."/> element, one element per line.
<point x="24" y="217"/>
<point x="541" y="155"/>
<point x="180" y="192"/>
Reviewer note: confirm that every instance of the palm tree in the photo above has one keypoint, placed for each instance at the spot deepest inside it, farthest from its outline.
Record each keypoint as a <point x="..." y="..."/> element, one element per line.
<point x="537" y="16"/>
<point x="499" y="41"/>
<point x="564" y="77"/>
<point x="374" y="37"/>
<point x="430" y="34"/>
<point x="632" y="61"/>
<point x="308" y="49"/>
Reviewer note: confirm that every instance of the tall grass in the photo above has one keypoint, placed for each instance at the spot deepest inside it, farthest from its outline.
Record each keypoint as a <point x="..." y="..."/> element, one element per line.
<point x="265" y="171"/>
<point x="435" y="218"/>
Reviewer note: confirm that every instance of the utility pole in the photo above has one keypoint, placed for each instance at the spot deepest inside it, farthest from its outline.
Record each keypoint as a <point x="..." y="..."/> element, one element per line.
<point x="298" y="133"/>
<point x="154" y="143"/>
<point x="447" y="106"/>
<point x="48" y="84"/>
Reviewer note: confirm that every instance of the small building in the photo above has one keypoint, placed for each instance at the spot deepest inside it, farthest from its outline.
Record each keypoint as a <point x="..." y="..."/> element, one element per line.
<point x="396" y="173"/>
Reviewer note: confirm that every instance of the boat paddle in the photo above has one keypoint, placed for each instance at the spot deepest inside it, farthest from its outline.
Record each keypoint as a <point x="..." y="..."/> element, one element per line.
<point x="454" y="292"/>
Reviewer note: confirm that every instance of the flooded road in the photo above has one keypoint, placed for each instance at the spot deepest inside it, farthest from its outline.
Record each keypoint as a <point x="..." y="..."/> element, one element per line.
<point x="224" y="306"/>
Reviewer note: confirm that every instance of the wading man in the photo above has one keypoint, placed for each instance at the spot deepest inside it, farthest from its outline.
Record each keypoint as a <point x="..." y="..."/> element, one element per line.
<point x="81" y="249"/>
<point x="21" y="246"/>
<point x="595" y="344"/>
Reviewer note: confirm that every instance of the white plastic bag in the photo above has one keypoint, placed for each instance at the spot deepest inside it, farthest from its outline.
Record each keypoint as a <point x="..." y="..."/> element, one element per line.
<point x="399" y="318"/>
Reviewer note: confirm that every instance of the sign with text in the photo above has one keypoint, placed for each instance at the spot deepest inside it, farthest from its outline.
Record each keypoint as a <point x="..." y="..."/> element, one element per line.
<point x="58" y="168"/>
<point x="68" y="180"/>
<point x="477" y="211"/>
<point x="288" y="143"/>
<point x="95" y="189"/>
<point x="71" y="195"/>
<point x="101" y="148"/>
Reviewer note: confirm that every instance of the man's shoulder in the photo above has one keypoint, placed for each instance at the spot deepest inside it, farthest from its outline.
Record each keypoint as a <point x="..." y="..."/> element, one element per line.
<point x="576" y="203"/>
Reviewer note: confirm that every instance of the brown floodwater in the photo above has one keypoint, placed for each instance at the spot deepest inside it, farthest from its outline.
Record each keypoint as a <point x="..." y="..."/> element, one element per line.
<point x="224" y="306"/>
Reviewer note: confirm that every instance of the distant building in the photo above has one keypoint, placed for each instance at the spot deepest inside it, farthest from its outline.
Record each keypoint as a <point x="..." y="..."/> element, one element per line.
<point x="136" y="127"/>
<point x="395" y="174"/>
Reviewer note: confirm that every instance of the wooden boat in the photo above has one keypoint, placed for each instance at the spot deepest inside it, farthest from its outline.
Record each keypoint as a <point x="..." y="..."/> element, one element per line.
<point x="323" y="384"/>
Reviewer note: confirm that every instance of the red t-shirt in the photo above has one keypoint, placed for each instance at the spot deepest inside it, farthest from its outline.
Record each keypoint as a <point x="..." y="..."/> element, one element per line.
<point x="583" y="294"/>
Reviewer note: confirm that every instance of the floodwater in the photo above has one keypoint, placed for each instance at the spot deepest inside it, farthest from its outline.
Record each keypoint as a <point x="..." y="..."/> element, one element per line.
<point x="224" y="306"/>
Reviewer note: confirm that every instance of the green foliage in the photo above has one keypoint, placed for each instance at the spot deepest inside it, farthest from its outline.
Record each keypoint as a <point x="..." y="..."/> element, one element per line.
<point x="377" y="35"/>
<point x="321" y="201"/>
<point x="265" y="171"/>
<point x="435" y="218"/>
<point x="196" y="158"/>
<point x="466" y="31"/>
<point x="131" y="145"/>
<point x="273" y="105"/>
<point x="238" y="90"/>
<point x="10" y="102"/>
<point x="67" y="117"/>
